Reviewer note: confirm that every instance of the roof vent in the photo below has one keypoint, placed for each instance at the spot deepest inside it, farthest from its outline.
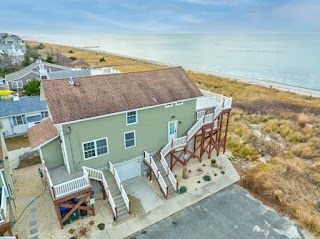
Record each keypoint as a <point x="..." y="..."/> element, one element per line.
<point x="71" y="82"/>
<point x="76" y="83"/>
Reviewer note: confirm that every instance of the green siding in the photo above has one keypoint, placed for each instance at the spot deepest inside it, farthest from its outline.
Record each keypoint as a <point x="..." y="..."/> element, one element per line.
<point x="151" y="133"/>
<point x="52" y="154"/>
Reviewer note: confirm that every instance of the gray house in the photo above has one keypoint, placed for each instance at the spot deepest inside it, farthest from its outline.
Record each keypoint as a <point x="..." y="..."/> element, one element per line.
<point x="37" y="70"/>
<point x="13" y="46"/>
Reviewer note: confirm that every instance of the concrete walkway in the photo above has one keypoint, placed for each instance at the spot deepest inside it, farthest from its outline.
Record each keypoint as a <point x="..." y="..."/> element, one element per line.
<point x="172" y="206"/>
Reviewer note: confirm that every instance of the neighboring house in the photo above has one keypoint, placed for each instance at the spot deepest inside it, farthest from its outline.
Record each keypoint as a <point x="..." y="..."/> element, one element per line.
<point x="114" y="123"/>
<point x="13" y="46"/>
<point x="19" y="114"/>
<point x="7" y="206"/>
<point x="80" y="73"/>
<point x="37" y="70"/>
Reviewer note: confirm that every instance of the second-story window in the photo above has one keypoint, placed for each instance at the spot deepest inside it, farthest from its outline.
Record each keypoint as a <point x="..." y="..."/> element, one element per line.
<point x="132" y="117"/>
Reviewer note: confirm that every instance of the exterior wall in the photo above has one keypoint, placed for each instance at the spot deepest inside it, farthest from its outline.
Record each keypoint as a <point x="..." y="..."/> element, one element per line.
<point x="24" y="79"/>
<point x="52" y="154"/>
<point x="151" y="133"/>
<point x="10" y="130"/>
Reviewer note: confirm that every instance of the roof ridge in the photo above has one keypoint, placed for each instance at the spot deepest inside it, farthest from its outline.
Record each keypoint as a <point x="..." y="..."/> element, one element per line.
<point x="122" y="73"/>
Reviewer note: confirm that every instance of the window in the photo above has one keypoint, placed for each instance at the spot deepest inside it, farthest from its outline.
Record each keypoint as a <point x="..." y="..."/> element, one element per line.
<point x="168" y="105"/>
<point x="132" y="117"/>
<point x="19" y="120"/>
<point x="179" y="103"/>
<point x="44" y="114"/>
<point x="129" y="139"/>
<point x="95" y="148"/>
<point x="17" y="84"/>
<point x="43" y="77"/>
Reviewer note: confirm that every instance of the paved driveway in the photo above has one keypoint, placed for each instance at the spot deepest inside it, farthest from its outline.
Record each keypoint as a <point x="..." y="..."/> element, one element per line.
<point x="230" y="213"/>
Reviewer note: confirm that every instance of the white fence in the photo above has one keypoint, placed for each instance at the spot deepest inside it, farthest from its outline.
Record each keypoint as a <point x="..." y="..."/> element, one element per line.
<point x="164" y="164"/>
<point x="179" y="142"/>
<point x="195" y="129"/>
<point x="166" y="149"/>
<point x="173" y="180"/>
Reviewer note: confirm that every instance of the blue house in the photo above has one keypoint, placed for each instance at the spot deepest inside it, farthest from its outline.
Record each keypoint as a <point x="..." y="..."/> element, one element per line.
<point x="19" y="114"/>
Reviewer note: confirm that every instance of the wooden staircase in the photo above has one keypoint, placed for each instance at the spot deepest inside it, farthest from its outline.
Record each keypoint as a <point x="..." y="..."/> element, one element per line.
<point x="116" y="194"/>
<point x="171" y="191"/>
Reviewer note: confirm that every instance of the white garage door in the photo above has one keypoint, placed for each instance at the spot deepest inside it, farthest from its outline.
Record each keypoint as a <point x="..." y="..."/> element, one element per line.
<point x="129" y="169"/>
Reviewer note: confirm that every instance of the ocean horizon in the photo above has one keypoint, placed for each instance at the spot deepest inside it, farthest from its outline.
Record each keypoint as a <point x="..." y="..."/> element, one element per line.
<point x="291" y="59"/>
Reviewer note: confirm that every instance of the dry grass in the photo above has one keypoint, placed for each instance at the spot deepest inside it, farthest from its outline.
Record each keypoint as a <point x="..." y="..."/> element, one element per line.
<point x="302" y="120"/>
<point x="17" y="142"/>
<point x="291" y="121"/>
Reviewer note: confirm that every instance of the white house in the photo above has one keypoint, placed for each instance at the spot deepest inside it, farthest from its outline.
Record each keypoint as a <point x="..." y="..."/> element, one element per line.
<point x="13" y="46"/>
<point x="19" y="114"/>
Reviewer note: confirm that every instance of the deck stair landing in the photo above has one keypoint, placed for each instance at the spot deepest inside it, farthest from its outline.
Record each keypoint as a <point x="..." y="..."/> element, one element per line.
<point x="116" y="194"/>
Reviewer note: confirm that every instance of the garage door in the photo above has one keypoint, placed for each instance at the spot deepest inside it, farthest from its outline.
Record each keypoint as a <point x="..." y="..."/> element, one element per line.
<point x="129" y="169"/>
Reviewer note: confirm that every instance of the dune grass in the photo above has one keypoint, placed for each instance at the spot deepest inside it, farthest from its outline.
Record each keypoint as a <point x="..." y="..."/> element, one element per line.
<point x="264" y="122"/>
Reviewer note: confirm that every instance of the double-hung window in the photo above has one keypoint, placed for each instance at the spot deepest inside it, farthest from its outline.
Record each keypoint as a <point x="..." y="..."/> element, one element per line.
<point x="132" y="117"/>
<point x="44" y="114"/>
<point x="129" y="139"/>
<point x="95" y="148"/>
<point x="19" y="120"/>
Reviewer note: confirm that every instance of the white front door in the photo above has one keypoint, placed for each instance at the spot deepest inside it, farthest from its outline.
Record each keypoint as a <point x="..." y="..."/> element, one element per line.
<point x="172" y="130"/>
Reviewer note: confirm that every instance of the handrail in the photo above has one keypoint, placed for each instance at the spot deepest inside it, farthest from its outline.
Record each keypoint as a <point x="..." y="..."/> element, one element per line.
<point x="164" y="164"/>
<point x="178" y="142"/>
<point x="163" y="185"/>
<point x="166" y="149"/>
<point x="120" y="186"/>
<point x="218" y="110"/>
<point x="98" y="175"/>
<point x="200" y="114"/>
<point x="71" y="186"/>
<point x="195" y="128"/>
<point x="3" y="208"/>
<point x="173" y="180"/>
<point x="147" y="157"/>
<point x="208" y="118"/>
<point x="48" y="178"/>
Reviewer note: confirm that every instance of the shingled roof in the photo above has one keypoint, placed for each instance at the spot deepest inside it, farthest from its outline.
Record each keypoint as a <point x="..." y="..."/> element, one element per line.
<point x="41" y="133"/>
<point x="106" y="94"/>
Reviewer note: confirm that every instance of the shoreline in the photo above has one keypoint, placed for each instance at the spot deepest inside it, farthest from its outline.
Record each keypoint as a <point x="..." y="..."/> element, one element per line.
<point x="268" y="84"/>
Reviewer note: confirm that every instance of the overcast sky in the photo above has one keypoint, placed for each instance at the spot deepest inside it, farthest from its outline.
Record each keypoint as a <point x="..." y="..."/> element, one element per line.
<point x="175" y="16"/>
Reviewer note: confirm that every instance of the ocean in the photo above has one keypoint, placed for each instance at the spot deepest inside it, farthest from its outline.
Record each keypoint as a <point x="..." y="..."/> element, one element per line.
<point x="292" y="59"/>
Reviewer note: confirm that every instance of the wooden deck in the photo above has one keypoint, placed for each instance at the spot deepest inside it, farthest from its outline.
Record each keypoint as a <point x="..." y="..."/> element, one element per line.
<point x="60" y="174"/>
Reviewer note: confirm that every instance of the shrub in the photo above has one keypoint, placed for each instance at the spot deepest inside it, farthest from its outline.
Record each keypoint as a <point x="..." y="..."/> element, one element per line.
<point x="302" y="120"/>
<point x="71" y="51"/>
<point x="213" y="161"/>
<point x="215" y="174"/>
<point x="223" y="172"/>
<point x="41" y="46"/>
<point x="91" y="223"/>
<point x="72" y="58"/>
<point x="32" y="87"/>
<point x="101" y="226"/>
<point x="206" y="178"/>
<point x="71" y="230"/>
<point x="102" y="59"/>
<point x="183" y="189"/>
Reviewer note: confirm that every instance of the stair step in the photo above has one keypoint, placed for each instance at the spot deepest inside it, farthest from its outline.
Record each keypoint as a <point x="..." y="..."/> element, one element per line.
<point x="123" y="216"/>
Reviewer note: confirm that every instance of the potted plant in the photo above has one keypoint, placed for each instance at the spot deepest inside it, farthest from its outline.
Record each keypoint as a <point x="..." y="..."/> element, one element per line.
<point x="213" y="163"/>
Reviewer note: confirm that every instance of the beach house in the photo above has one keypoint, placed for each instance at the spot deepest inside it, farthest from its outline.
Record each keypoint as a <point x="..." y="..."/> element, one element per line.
<point x="12" y="46"/>
<point x="7" y="206"/>
<point x="111" y="128"/>
<point x="37" y="70"/>
<point x="21" y="113"/>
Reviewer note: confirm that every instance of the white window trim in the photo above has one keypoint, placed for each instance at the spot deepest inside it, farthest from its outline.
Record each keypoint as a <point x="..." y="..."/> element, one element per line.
<point x="179" y="103"/>
<point x="16" y="84"/>
<point x="136" y="117"/>
<point x="95" y="148"/>
<point x="135" y="139"/>
<point x="168" y="105"/>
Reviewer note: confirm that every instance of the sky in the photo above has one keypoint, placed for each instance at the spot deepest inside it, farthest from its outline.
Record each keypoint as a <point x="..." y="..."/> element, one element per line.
<point x="160" y="16"/>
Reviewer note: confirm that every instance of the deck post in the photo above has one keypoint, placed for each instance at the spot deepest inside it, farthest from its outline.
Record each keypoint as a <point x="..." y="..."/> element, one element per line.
<point x="226" y="134"/>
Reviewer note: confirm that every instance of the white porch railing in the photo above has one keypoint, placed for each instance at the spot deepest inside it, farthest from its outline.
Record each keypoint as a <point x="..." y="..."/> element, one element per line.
<point x="218" y="110"/>
<point x="3" y="207"/>
<point x="179" y="142"/>
<point x="164" y="164"/>
<point x="166" y="149"/>
<point x="48" y="178"/>
<point x="173" y="180"/>
<point x="98" y="175"/>
<point x="64" y="189"/>
<point x="195" y="129"/>
<point x="157" y="174"/>
<point x="208" y="118"/>
<point x="200" y="114"/>
<point x="124" y="195"/>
